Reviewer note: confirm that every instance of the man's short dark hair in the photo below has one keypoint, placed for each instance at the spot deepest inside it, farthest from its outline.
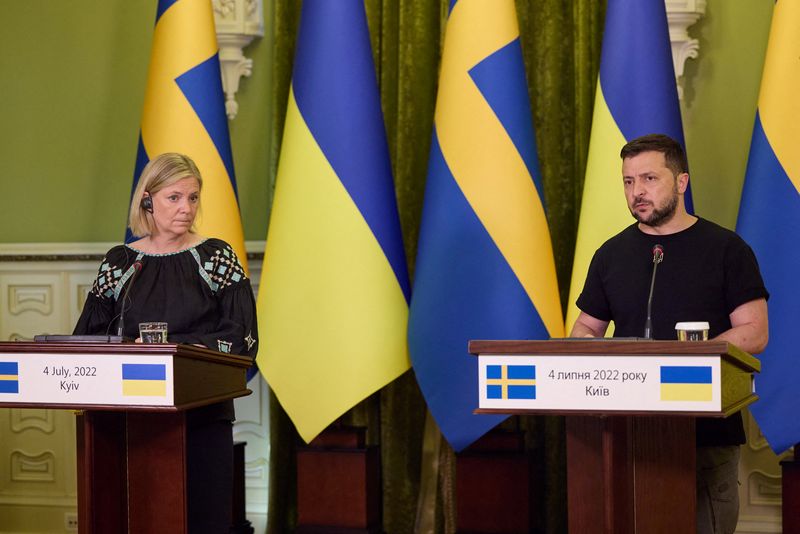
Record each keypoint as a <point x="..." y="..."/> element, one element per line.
<point x="674" y="156"/>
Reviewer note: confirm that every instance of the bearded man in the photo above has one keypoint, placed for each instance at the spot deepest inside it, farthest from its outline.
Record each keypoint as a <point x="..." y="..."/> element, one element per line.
<point x="708" y="274"/>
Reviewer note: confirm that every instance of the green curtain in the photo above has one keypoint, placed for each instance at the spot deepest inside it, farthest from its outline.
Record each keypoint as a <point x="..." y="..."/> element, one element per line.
<point x="561" y="42"/>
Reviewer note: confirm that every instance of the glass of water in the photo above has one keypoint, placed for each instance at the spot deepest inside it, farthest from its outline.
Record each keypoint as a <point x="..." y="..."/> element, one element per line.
<point x="153" y="332"/>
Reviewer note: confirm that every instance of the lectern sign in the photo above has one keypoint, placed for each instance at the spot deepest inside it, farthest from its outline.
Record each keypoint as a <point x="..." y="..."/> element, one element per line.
<point x="100" y="379"/>
<point x="599" y="383"/>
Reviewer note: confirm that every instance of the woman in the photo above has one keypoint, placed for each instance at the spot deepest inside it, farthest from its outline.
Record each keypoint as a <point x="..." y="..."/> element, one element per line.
<point x="198" y="287"/>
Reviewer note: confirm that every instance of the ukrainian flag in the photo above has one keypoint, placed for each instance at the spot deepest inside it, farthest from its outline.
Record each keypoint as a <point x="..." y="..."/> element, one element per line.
<point x="184" y="111"/>
<point x="9" y="377"/>
<point x="144" y="379"/>
<point x="510" y="381"/>
<point x="636" y="95"/>
<point x="685" y="383"/>
<point x="769" y="220"/>
<point x="485" y="267"/>
<point x="333" y="303"/>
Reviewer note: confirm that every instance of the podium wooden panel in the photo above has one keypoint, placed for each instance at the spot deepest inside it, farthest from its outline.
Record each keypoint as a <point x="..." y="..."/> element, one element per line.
<point x="632" y="470"/>
<point x="132" y="458"/>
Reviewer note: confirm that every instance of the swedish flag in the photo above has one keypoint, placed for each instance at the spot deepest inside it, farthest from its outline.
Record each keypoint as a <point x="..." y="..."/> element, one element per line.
<point x="485" y="267"/>
<point x="184" y="111"/>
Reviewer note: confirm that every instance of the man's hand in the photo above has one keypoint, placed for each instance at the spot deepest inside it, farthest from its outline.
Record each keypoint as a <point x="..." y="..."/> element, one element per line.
<point x="588" y="326"/>
<point x="749" y="327"/>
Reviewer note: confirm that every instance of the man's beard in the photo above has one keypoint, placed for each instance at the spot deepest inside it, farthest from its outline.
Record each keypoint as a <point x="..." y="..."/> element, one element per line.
<point x="661" y="215"/>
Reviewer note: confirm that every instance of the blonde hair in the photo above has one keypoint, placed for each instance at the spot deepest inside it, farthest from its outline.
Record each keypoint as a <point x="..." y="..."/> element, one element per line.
<point x="162" y="171"/>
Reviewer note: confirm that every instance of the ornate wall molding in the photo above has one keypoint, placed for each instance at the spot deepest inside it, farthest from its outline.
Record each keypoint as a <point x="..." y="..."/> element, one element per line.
<point x="681" y="14"/>
<point x="238" y="23"/>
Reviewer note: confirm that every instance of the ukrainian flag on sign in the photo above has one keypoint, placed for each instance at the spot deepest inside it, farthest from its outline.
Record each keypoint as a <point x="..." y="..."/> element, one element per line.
<point x="769" y="220"/>
<point x="9" y="377"/>
<point x="686" y="383"/>
<point x="184" y="111"/>
<point x="485" y="267"/>
<point x="333" y="304"/>
<point x="144" y="379"/>
<point x="510" y="382"/>
<point x="636" y="95"/>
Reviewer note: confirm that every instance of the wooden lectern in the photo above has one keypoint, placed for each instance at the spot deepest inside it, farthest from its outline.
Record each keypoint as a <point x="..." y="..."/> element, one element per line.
<point x="631" y="408"/>
<point x="131" y="401"/>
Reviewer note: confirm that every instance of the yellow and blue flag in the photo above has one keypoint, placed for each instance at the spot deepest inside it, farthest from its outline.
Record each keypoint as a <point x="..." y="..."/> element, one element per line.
<point x="510" y="381"/>
<point x="9" y="377"/>
<point x="144" y="379"/>
<point x="636" y="95"/>
<point x="769" y="220"/>
<point x="686" y="383"/>
<point x="184" y="111"/>
<point x="485" y="267"/>
<point x="333" y="303"/>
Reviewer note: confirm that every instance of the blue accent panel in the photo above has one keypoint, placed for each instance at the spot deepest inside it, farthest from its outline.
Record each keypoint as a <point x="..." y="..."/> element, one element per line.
<point x="522" y="372"/>
<point x="492" y="371"/>
<point x="464" y="289"/>
<point x="769" y="220"/>
<point x="501" y="80"/>
<point x="144" y="371"/>
<point x="163" y="5"/>
<point x="9" y="368"/>
<point x="494" y="392"/>
<point x="251" y="371"/>
<point x="451" y="6"/>
<point x="521" y="392"/>
<point x="202" y="87"/>
<point x="9" y="386"/>
<point x="685" y="375"/>
<point x="337" y="94"/>
<point x="636" y="72"/>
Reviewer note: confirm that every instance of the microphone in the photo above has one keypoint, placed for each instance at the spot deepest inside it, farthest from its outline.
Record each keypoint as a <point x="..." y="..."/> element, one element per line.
<point x="658" y="257"/>
<point x="137" y="266"/>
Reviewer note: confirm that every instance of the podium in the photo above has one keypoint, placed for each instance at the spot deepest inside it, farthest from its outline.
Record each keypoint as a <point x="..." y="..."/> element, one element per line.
<point x="631" y="409"/>
<point x="131" y="402"/>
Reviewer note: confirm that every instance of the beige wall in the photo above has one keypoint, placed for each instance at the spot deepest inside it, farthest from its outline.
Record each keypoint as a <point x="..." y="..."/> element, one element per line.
<point x="72" y="78"/>
<point x="719" y="102"/>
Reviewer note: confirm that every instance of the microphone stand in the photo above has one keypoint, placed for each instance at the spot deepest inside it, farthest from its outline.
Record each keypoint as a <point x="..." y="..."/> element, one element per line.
<point x="658" y="256"/>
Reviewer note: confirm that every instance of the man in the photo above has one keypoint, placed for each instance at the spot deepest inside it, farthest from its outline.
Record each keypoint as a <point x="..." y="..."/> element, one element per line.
<point x="708" y="274"/>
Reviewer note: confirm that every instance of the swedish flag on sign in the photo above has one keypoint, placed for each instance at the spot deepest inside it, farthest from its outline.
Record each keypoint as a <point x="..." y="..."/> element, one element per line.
<point x="9" y="377"/>
<point x="686" y="383"/>
<point x="510" y="382"/>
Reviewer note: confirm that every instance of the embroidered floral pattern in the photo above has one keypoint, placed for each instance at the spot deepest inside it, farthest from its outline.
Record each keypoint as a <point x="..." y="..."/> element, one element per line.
<point x="224" y="269"/>
<point x="106" y="281"/>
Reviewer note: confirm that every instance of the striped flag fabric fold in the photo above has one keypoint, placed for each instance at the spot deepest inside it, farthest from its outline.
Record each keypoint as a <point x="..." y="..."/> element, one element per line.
<point x="184" y="111"/>
<point x="333" y="303"/>
<point x="769" y="220"/>
<point x="485" y="267"/>
<point x="636" y="95"/>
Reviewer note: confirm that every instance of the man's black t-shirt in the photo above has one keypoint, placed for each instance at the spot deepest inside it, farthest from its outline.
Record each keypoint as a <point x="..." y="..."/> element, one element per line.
<point x="707" y="272"/>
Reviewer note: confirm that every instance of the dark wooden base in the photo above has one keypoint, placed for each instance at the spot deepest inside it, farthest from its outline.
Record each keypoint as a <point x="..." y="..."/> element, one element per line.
<point x="132" y="472"/>
<point x="631" y="474"/>
<point x="493" y="490"/>
<point x="791" y="494"/>
<point x="338" y="488"/>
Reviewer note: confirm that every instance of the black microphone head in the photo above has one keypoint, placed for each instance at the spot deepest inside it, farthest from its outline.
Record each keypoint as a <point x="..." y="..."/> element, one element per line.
<point x="658" y="253"/>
